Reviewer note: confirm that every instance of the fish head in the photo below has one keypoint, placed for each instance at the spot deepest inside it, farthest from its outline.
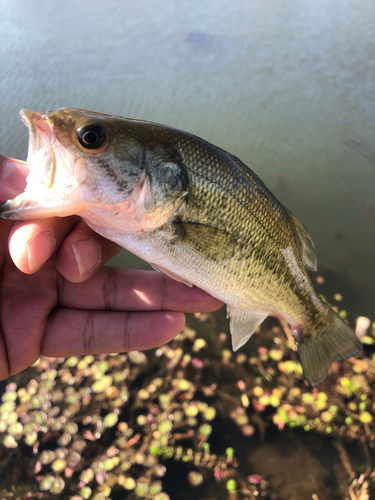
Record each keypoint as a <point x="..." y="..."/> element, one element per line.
<point x="100" y="167"/>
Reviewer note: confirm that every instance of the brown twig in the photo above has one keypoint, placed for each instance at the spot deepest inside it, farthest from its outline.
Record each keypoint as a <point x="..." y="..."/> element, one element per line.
<point x="344" y="459"/>
<point x="288" y="333"/>
<point x="368" y="457"/>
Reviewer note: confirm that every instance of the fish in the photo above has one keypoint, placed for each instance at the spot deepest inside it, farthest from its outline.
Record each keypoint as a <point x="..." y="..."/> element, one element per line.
<point x="191" y="210"/>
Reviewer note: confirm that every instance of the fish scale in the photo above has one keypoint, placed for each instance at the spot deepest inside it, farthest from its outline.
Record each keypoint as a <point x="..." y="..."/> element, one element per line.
<point x="191" y="210"/>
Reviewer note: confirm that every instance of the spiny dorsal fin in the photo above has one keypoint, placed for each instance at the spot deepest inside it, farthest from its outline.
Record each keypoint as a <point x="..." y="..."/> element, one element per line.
<point x="243" y="324"/>
<point x="305" y="244"/>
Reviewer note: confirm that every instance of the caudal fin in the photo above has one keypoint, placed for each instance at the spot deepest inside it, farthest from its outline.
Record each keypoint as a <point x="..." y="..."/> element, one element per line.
<point x="333" y="342"/>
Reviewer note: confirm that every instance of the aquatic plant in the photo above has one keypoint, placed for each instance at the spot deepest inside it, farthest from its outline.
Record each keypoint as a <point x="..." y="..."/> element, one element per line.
<point x="98" y="425"/>
<point x="108" y="425"/>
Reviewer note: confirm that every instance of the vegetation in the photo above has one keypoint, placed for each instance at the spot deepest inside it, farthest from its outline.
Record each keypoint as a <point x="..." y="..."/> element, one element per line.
<point x="145" y="425"/>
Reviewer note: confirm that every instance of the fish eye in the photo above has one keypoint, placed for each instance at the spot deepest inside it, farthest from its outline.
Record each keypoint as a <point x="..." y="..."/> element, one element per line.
<point x="91" y="136"/>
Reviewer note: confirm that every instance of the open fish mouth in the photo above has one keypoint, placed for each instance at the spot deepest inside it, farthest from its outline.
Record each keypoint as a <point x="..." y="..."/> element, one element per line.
<point x="34" y="121"/>
<point x="41" y="146"/>
<point x="40" y="192"/>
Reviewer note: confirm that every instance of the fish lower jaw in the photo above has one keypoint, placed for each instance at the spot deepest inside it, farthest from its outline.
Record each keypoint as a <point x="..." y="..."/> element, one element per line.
<point x="36" y="206"/>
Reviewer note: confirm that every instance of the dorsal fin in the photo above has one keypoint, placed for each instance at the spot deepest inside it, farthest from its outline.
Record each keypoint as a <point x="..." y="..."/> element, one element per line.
<point x="302" y="238"/>
<point x="304" y="242"/>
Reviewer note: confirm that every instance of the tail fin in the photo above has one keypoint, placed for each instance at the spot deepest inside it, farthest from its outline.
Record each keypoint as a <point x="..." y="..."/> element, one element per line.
<point x="333" y="342"/>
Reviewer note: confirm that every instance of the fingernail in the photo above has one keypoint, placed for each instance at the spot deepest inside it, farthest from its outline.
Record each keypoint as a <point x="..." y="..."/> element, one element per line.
<point x="13" y="176"/>
<point x="88" y="255"/>
<point x="40" y="248"/>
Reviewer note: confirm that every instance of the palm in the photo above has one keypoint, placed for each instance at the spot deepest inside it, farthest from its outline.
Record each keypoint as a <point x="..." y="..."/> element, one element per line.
<point x="113" y="310"/>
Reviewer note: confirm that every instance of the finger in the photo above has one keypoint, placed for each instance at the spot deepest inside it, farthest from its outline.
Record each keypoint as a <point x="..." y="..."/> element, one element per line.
<point x="32" y="243"/>
<point x="13" y="175"/>
<point x="83" y="253"/>
<point x="74" y="332"/>
<point x="23" y="319"/>
<point x="119" y="289"/>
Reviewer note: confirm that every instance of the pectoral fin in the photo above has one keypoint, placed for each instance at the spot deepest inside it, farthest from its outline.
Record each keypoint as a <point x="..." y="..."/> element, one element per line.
<point x="212" y="242"/>
<point x="243" y="324"/>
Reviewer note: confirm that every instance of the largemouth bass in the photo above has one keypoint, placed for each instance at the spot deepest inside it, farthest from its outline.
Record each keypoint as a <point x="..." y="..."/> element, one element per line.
<point x="191" y="210"/>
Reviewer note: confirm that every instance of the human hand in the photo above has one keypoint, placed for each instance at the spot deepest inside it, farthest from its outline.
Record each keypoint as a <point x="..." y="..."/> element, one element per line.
<point x="57" y="299"/>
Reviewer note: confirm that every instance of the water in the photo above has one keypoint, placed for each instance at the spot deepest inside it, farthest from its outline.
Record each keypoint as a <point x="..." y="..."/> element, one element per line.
<point x="288" y="86"/>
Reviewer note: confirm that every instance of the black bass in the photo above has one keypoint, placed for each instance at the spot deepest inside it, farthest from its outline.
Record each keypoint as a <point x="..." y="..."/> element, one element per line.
<point x="191" y="210"/>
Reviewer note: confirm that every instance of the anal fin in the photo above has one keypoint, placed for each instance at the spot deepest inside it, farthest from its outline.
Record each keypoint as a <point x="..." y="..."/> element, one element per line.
<point x="243" y="324"/>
